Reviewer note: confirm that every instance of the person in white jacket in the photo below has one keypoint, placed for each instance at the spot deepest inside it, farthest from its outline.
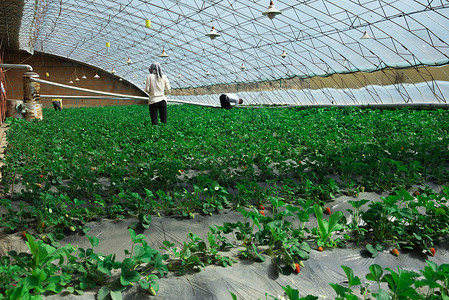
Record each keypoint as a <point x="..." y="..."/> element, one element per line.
<point x="156" y="85"/>
<point x="227" y="99"/>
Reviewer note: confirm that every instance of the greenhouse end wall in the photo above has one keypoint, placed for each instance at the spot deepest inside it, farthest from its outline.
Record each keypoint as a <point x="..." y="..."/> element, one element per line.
<point x="62" y="71"/>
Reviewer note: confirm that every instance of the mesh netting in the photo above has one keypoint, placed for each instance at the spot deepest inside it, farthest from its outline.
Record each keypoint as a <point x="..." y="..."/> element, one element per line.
<point x="385" y="47"/>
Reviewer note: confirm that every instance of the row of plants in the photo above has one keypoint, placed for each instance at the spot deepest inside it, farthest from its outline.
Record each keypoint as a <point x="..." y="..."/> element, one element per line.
<point x="429" y="283"/>
<point x="280" y="233"/>
<point x="401" y="219"/>
<point x="373" y="149"/>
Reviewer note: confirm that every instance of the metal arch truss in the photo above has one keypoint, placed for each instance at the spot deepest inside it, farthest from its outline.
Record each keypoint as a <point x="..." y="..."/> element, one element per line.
<point x="321" y="39"/>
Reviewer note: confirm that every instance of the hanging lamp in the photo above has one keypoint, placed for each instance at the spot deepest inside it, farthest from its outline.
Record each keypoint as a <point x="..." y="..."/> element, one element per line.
<point x="96" y="75"/>
<point x="213" y="33"/>
<point x="284" y="55"/>
<point x="70" y="81"/>
<point x="77" y="79"/>
<point x="365" y="36"/>
<point x="242" y="67"/>
<point x="84" y="77"/>
<point x="129" y="61"/>
<point x="163" y="54"/>
<point x="271" y="12"/>
<point x="147" y="23"/>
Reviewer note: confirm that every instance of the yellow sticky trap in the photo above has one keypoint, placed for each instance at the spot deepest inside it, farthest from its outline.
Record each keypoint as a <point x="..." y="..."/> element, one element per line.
<point x="108" y="44"/>
<point x="47" y="74"/>
<point x="147" y="23"/>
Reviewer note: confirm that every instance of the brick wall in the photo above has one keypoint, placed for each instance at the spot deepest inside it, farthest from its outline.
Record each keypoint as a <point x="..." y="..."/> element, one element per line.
<point x="62" y="71"/>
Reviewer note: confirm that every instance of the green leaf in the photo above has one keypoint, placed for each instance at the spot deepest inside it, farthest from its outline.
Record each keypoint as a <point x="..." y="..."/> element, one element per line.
<point x="94" y="241"/>
<point x="371" y="250"/>
<point x="376" y="273"/>
<point x="56" y="288"/>
<point x="257" y="253"/>
<point x="132" y="233"/>
<point x="382" y="295"/>
<point x="132" y="276"/>
<point x="144" y="284"/>
<point x="352" y="280"/>
<point x="302" y="254"/>
<point x="291" y="293"/>
<point x="30" y="282"/>
<point x="127" y="265"/>
<point x="154" y="285"/>
<point x="103" y="293"/>
<point x="116" y="295"/>
<point x="333" y="221"/>
<point x="319" y="216"/>
<point x="340" y="290"/>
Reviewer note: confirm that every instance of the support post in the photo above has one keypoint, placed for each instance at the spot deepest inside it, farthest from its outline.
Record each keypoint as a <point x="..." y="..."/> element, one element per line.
<point x="31" y="96"/>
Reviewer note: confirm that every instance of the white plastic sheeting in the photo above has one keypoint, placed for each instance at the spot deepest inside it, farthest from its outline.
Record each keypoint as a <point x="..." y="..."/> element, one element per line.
<point x="424" y="92"/>
<point x="248" y="279"/>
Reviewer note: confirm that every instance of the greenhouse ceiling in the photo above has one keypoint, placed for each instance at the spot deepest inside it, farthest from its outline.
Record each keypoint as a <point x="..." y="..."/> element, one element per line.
<point x="305" y="39"/>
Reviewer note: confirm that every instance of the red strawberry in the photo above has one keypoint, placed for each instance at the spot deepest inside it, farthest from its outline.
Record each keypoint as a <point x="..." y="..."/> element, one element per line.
<point x="297" y="270"/>
<point x="261" y="207"/>
<point x="432" y="250"/>
<point x="262" y="213"/>
<point x="320" y="249"/>
<point x="395" y="252"/>
<point x="24" y="234"/>
<point x="327" y="210"/>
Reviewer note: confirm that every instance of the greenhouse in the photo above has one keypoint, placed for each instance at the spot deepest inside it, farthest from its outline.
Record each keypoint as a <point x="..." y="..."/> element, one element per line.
<point x="224" y="149"/>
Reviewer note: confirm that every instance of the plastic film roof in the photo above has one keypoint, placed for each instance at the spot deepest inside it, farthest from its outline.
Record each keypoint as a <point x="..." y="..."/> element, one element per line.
<point x="320" y="37"/>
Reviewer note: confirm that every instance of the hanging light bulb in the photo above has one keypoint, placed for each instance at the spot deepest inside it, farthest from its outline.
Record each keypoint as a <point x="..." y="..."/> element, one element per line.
<point x="129" y="61"/>
<point x="207" y="73"/>
<point x="271" y="12"/>
<point x="84" y="77"/>
<point x="284" y="55"/>
<point x="164" y="54"/>
<point x="213" y="33"/>
<point x="147" y="23"/>
<point x="365" y="36"/>
<point x="242" y="67"/>
<point x="120" y="79"/>
<point x="77" y="79"/>
<point x="113" y="71"/>
<point x="96" y="75"/>
<point x="70" y="81"/>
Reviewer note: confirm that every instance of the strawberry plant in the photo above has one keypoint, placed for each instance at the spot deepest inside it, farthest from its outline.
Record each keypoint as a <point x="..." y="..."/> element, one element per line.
<point x="326" y="228"/>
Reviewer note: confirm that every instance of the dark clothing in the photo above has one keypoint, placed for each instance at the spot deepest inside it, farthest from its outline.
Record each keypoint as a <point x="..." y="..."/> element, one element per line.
<point x="57" y="105"/>
<point x="160" y="106"/>
<point x="224" y="102"/>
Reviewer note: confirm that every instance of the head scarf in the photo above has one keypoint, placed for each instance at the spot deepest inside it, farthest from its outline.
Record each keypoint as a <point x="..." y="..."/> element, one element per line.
<point x="155" y="68"/>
